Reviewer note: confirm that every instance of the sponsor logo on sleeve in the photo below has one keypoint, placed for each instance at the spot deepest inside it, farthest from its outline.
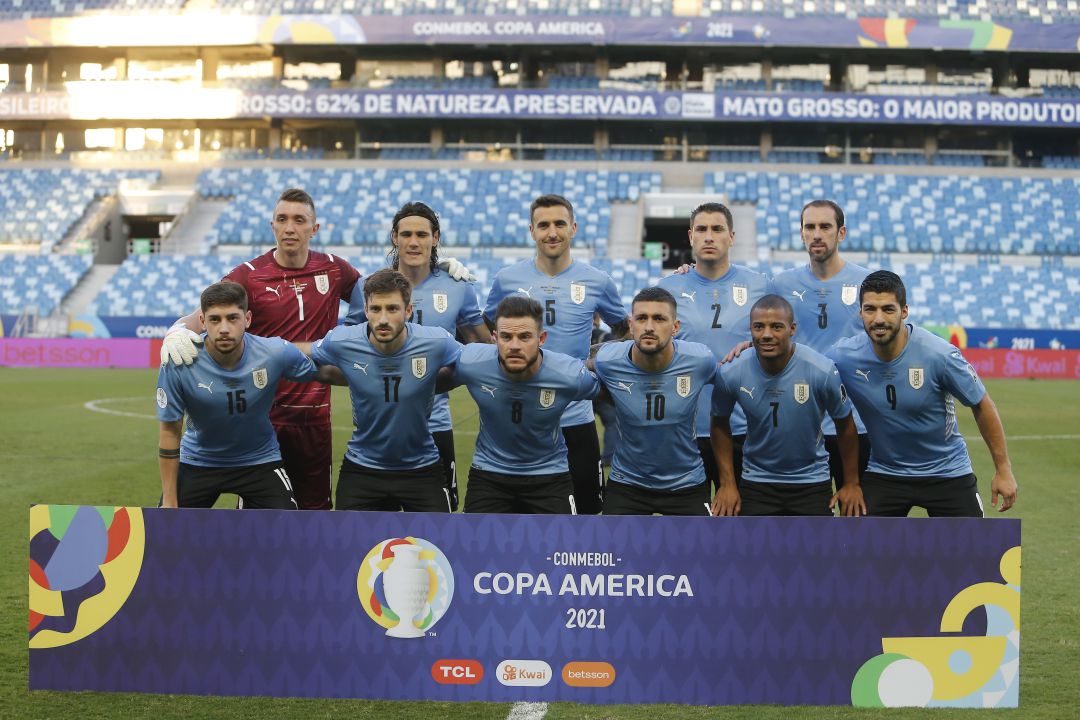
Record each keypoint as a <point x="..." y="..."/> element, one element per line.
<point x="162" y="399"/>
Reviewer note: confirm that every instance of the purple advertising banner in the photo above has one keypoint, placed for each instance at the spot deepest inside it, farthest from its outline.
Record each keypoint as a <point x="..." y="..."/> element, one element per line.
<point x="814" y="30"/>
<point x="88" y="353"/>
<point x="129" y="101"/>
<point x="809" y="611"/>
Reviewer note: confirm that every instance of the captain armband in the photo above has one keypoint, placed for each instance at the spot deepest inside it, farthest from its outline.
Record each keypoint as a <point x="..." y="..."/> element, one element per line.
<point x="173" y="454"/>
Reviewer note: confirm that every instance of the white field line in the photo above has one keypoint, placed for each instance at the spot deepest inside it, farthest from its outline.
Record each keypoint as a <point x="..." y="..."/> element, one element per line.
<point x="527" y="711"/>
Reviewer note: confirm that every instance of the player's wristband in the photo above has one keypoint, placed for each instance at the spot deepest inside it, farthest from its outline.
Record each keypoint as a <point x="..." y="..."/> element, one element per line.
<point x="168" y="454"/>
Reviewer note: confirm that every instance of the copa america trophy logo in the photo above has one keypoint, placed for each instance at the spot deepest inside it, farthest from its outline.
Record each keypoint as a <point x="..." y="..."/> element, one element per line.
<point x="405" y="585"/>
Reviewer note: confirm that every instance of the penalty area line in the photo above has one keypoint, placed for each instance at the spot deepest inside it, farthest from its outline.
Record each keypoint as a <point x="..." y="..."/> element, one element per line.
<point x="528" y="711"/>
<point x="96" y="406"/>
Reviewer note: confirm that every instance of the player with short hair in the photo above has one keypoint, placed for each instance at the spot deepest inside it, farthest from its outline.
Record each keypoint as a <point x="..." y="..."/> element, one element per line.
<point x="229" y="445"/>
<point x="570" y="292"/>
<point x="438" y="300"/>
<point x="714" y="299"/>
<point x="784" y="388"/>
<point x="391" y="366"/>
<point x="825" y="296"/>
<point x="654" y="381"/>
<point x="521" y="390"/>
<point x="904" y="381"/>
<point x="294" y="293"/>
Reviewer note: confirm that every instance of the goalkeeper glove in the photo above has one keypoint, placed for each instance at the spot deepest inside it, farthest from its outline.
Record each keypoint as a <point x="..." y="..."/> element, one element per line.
<point x="456" y="270"/>
<point x="180" y="346"/>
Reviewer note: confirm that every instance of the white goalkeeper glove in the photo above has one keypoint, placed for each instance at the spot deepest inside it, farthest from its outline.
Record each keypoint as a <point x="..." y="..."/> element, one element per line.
<point x="456" y="270"/>
<point x="180" y="346"/>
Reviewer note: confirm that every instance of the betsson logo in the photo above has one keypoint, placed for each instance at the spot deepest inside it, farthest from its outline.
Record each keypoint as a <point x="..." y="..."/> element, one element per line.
<point x="457" y="672"/>
<point x="588" y="674"/>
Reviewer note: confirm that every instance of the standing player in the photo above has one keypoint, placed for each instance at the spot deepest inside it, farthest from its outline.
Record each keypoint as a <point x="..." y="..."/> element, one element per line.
<point x="229" y="445"/>
<point x="714" y="299"/>
<point x="904" y="380"/>
<point x="391" y="366"/>
<point x="570" y="292"/>
<point x="521" y="391"/>
<point x="785" y="389"/>
<point x="294" y="293"/>
<point x="825" y="297"/>
<point x="438" y="300"/>
<point x="655" y="382"/>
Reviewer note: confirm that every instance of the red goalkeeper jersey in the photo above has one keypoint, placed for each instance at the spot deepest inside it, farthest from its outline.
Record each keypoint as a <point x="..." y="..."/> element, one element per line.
<point x="300" y="305"/>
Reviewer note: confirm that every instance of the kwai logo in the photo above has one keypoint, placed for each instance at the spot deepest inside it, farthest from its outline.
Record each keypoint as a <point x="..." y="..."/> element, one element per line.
<point x="405" y="585"/>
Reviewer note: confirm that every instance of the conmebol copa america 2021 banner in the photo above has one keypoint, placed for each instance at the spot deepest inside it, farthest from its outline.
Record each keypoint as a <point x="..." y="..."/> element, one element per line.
<point x="809" y="611"/>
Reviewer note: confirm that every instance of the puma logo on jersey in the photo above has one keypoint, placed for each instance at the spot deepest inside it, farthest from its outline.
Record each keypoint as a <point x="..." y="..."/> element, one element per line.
<point x="275" y="290"/>
<point x="620" y="385"/>
<point x="525" y="292"/>
<point x="798" y="294"/>
<point x="749" y="392"/>
<point x="690" y="296"/>
<point x="489" y="390"/>
<point x="864" y="374"/>
<point x="361" y="368"/>
<point x="208" y="388"/>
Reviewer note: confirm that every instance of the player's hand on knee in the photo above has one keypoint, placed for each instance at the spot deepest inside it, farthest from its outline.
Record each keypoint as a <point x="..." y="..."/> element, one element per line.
<point x="852" y="503"/>
<point x="456" y="270"/>
<point x="180" y="346"/>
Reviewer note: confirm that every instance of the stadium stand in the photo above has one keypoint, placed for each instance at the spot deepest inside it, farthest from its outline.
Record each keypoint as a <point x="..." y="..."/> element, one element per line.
<point x="919" y="213"/>
<point x="38" y="281"/>
<point x="477" y="208"/>
<point x="40" y="205"/>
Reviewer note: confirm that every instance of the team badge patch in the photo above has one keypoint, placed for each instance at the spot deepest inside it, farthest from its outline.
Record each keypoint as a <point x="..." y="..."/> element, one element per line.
<point x="439" y="302"/>
<point x="739" y="294"/>
<point x="577" y="292"/>
<point x="259" y="377"/>
<point x="419" y="367"/>
<point x="547" y="397"/>
<point x="322" y="283"/>
<point x="802" y="393"/>
<point x="682" y="385"/>
<point x="162" y="399"/>
<point x="915" y="377"/>
<point x="849" y="294"/>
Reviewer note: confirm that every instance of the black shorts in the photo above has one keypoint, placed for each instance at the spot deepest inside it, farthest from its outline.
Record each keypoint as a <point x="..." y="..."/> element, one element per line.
<point x="712" y="472"/>
<point x="583" y="454"/>
<point x="444" y="441"/>
<point x="895" y="495"/>
<point x="491" y="492"/>
<point x="624" y="499"/>
<point x="260" y="487"/>
<point x="766" y="498"/>
<point x="836" y="467"/>
<point x="420" y="490"/>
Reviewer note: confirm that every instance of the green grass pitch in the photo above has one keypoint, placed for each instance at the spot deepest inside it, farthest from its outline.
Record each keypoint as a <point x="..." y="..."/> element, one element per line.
<point x="54" y="450"/>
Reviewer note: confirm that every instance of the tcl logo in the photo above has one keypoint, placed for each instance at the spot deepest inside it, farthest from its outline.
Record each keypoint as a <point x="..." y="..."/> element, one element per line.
<point x="457" y="672"/>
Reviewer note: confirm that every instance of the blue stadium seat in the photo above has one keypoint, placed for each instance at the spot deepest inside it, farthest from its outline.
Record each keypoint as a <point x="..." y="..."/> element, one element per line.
<point x="38" y="281"/>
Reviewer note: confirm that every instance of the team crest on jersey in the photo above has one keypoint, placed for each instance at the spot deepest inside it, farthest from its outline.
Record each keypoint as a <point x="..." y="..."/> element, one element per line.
<point x="439" y="302"/>
<point x="802" y="393"/>
<point x="322" y="283"/>
<point x="849" y="294"/>
<point x="259" y="377"/>
<point x="419" y="367"/>
<point x="547" y="397"/>
<point x="739" y="294"/>
<point x="915" y="377"/>
<point x="682" y="385"/>
<point x="577" y="292"/>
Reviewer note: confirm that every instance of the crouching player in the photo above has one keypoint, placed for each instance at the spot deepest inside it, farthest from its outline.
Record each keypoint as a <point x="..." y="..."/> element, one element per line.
<point x="520" y="464"/>
<point x="229" y="445"/>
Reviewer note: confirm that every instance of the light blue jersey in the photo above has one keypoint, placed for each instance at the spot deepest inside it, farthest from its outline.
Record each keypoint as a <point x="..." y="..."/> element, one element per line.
<point x="391" y="394"/>
<point x="229" y="410"/>
<point x="569" y="300"/>
<point x="657" y="445"/>
<point x="519" y="421"/>
<point x="784" y="443"/>
<point x="827" y="311"/>
<point x="908" y="404"/>
<point x="439" y="301"/>
<point x="716" y="313"/>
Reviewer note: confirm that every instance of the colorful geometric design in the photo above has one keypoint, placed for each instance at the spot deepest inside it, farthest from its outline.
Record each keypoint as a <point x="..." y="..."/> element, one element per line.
<point x="953" y="671"/>
<point x="985" y="35"/>
<point x="890" y="32"/>
<point x="84" y="562"/>
<point x="369" y="583"/>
